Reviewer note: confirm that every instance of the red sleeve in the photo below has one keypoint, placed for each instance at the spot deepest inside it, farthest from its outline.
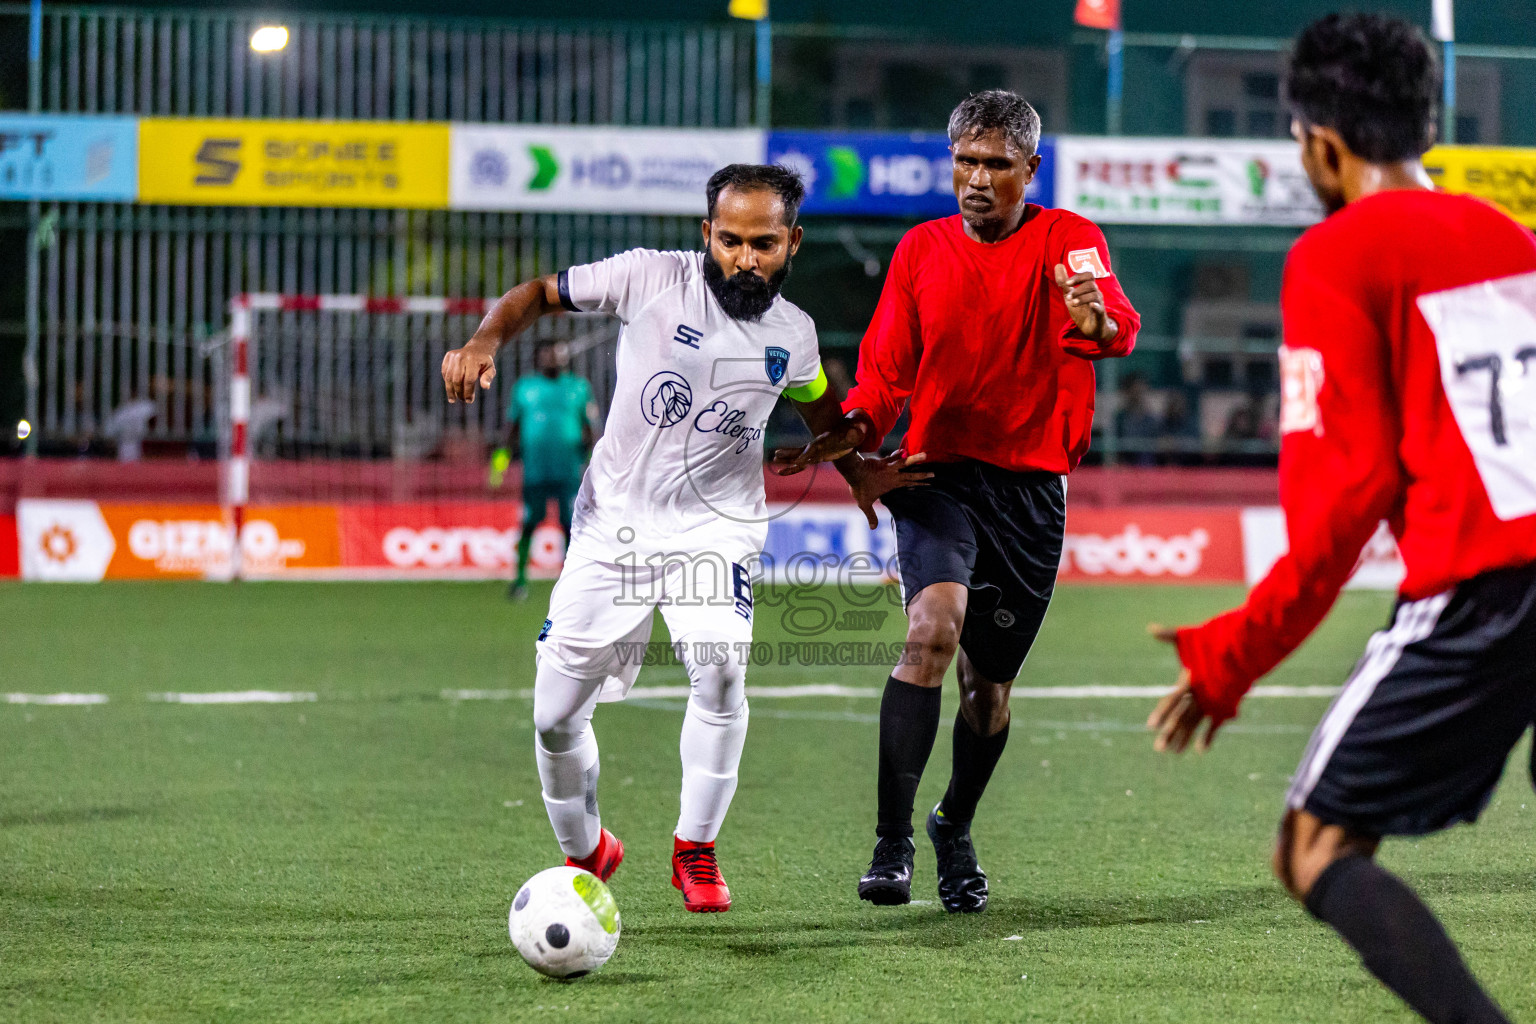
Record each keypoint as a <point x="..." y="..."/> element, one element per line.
<point x="889" y="353"/>
<point x="1083" y="247"/>
<point x="1339" y="477"/>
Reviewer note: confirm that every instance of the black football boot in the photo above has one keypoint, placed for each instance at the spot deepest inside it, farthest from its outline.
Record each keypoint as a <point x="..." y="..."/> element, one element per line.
<point x="962" y="883"/>
<point x="888" y="882"/>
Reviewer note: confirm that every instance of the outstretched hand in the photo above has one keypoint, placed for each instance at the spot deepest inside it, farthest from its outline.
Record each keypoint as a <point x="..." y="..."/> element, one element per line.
<point x="828" y="446"/>
<point x="1177" y="716"/>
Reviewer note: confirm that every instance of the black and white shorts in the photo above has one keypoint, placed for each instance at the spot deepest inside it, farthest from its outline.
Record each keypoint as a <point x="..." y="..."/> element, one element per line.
<point x="997" y="531"/>
<point x="1419" y="736"/>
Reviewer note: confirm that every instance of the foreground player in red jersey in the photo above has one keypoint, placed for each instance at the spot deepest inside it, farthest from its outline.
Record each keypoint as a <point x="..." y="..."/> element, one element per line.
<point x="988" y="324"/>
<point x="1409" y="375"/>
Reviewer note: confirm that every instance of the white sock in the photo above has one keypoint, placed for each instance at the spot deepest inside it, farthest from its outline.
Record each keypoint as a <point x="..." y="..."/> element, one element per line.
<point x="711" y="749"/>
<point x="569" y="783"/>
<point x="566" y="751"/>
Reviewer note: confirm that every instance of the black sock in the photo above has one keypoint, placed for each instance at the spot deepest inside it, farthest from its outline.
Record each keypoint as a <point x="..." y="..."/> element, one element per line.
<point x="1400" y="941"/>
<point x="909" y="720"/>
<point x="975" y="757"/>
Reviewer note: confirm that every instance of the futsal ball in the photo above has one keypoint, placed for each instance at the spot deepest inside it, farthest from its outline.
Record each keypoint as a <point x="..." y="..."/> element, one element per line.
<point x="564" y="922"/>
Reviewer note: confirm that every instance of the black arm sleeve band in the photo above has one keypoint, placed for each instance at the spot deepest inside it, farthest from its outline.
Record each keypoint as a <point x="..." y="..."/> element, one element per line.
<point x="564" y="285"/>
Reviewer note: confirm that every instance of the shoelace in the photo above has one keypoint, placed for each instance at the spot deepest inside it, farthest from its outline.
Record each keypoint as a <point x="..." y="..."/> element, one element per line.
<point x="700" y="865"/>
<point x="890" y="848"/>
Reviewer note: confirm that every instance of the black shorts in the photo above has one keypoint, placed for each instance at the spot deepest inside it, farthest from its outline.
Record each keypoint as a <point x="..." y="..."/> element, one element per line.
<point x="996" y="531"/>
<point x="1418" y="738"/>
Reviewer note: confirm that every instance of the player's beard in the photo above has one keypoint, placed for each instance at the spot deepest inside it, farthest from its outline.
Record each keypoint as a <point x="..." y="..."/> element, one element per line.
<point x="743" y="295"/>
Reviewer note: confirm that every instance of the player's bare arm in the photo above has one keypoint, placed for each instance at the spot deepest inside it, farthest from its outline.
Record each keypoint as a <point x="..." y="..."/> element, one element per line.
<point x="475" y="364"/>
<point x="1085" y="304"/>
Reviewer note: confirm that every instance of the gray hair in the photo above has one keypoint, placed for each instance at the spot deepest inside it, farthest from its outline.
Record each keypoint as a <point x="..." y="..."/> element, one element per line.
<point x="997" y="110"/>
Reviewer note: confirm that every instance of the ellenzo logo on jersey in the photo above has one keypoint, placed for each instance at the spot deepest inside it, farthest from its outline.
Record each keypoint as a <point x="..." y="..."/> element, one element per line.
<point x="666" y="399"/>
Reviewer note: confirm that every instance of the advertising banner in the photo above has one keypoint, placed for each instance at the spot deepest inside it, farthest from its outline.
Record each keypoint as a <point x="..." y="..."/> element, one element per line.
<point x="1264" y="540"/>
<point x="63" y="541"/>
<point x="158" y="541"/>
<point x="1153" y="545"/>
<point x="807" y="545"/>
<point x="598" y="169"/>
<point x="889" y="174"/>
<point x="293" y="163"/>
<point x="824" y="543"/>
<point x="87" y="541"/>
<point x="1503" y="176"/>
<point x="47" y="157"/>
<point x="1184" y="181"/>
<point x="10" y="556"/>
<point x="813" y="544"/>
<point x="463" y="540"/>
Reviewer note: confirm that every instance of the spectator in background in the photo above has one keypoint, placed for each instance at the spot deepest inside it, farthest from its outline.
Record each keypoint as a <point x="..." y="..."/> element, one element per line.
<point x="1136" y="423"/>
<point x="1246" y="424"/>
<point x="1180" y="429"/>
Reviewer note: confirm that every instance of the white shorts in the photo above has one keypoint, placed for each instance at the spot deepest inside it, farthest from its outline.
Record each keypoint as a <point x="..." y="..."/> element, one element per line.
<point x="600" y="615"/>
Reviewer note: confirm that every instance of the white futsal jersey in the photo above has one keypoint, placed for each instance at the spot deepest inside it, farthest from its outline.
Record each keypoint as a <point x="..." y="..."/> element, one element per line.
<point x="679" y="468"/>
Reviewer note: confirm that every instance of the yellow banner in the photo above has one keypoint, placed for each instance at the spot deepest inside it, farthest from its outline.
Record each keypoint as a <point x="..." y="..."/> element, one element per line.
<point x="293" y="163"/>
<point x="1504" y="176"/>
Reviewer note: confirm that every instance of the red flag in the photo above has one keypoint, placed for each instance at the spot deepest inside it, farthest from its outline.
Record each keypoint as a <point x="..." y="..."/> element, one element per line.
<point x="1097" y="13"/>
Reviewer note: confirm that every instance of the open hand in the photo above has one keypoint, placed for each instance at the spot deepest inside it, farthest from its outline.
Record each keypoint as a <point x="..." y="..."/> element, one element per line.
<point x="828" y="446"/>
<point x="876" y="476"/>
<point x="464" y="368"/>
<point x="1177" y="716"/>
<point x="1085" y="303"/>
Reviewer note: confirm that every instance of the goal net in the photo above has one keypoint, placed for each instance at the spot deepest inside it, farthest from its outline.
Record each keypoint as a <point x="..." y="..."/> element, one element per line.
<point x="342" y="456"/>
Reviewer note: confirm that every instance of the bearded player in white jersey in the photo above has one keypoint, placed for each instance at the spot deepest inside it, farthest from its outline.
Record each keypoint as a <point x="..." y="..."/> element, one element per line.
<point x="672" y="512"/>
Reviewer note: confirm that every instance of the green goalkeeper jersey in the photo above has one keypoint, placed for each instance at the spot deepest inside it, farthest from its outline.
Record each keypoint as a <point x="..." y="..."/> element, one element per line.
<point x="549" y="413"/>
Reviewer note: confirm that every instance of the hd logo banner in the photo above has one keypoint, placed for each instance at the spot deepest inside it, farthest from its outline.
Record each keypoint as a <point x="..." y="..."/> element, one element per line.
<point x="598" y="169"/>
<point x="70" y="158"/>
<point x="885" y="174"/>
<point x="293" y="163"/>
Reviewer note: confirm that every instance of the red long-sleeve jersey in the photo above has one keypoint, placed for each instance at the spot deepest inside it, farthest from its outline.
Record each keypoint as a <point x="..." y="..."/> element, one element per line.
<point x="1409" y="394"/>
<point x="979" y="338"/>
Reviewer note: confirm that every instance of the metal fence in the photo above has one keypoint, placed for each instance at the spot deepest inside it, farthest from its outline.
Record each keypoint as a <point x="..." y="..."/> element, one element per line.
<point x="130" y="300"/>
<point x="135" y="299"/>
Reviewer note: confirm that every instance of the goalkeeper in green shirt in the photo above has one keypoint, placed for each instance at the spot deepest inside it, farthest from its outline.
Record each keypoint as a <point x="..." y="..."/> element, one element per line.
<point x="551" y="428"/>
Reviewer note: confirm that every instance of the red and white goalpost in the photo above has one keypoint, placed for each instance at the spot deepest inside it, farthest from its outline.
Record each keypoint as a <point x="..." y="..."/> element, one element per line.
<point x="341" y="445"/>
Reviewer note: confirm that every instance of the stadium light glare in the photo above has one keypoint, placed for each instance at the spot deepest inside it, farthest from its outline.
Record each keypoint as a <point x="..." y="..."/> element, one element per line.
<point x="269" y="39"/>
<point x="23" y="430"/>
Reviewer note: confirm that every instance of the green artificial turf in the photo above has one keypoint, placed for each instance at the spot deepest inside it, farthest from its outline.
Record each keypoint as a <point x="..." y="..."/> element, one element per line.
<point x="353" y="858"/>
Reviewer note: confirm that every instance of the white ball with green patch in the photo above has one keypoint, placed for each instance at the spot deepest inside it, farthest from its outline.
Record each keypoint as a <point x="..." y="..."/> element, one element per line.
<point x="564" y="922"/>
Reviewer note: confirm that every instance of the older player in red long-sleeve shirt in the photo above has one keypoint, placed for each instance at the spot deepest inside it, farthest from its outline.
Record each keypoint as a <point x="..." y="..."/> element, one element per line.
<point x="1409" y="376"/>
<point x="988" y="325"/>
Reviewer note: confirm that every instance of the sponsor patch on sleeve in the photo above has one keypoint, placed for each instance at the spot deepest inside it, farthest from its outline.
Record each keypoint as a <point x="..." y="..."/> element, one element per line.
<point x="1301" y="380"/>
<point x="1079" y="260"/>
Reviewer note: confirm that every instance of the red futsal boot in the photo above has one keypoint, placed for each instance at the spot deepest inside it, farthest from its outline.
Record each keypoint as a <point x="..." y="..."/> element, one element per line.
<point x="697" y="873"/>
<point x="604" y="860"/>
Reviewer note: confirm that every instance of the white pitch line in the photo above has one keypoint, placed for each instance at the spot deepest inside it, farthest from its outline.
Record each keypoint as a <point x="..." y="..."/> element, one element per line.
<point x="235" y="697"/>
<point x="836" y="690"/>
<point x="485" y="694"/>
<point x="56" y="698"/>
